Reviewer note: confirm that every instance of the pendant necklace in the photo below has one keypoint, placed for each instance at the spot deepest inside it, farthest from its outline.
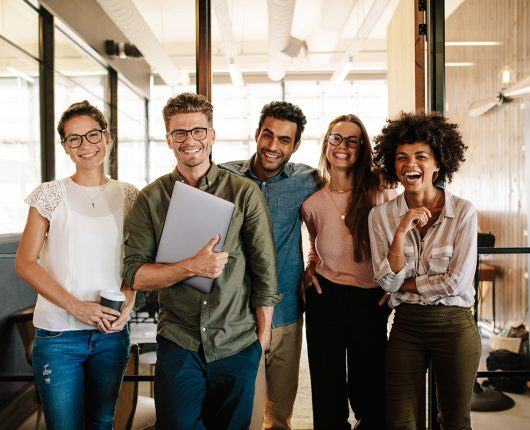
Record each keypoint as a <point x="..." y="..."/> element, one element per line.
<point x="93" y="198"/>
<point x="342" y="215"/>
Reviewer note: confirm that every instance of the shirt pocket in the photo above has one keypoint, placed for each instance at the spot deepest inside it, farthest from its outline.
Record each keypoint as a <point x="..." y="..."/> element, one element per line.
<point x="440" y="258"/>
<point x="288" y="209"/>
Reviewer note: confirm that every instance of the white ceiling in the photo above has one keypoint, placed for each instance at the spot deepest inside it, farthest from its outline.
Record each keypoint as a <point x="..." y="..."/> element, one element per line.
<point x="328" y="27"/>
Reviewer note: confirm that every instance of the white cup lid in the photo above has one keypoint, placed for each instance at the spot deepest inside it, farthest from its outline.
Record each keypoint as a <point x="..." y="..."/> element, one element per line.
<point x="117" y="296"/>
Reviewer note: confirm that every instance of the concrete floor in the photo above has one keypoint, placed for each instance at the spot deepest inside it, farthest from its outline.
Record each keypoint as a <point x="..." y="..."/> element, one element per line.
<point x="517" y="418"/>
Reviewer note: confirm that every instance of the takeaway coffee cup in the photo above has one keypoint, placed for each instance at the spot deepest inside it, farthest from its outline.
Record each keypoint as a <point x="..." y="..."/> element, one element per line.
<point x="111" y="299"/>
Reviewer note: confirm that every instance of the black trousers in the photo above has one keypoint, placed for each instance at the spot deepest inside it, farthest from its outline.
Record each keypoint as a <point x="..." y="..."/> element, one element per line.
<point x="346" y="340"/>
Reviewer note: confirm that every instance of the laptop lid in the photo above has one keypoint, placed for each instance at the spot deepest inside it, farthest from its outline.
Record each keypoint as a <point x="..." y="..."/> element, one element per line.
<point x="193" y="218"/>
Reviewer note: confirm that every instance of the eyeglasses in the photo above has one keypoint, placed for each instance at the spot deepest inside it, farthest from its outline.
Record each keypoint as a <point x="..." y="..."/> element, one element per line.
<point x="75" y="140"/>
<point x="198" y="133"/>
<point x="351" y="141"/>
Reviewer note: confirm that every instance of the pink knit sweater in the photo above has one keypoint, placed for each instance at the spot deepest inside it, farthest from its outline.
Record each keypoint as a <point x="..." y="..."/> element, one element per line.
<point x="331" y="243"/>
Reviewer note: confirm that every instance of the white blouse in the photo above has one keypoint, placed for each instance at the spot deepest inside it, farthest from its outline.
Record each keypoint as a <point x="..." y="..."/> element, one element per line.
<point x="83" y="249"/>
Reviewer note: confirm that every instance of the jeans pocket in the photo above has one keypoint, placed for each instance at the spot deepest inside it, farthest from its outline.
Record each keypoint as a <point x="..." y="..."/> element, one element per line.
<point x="41" y="333"/>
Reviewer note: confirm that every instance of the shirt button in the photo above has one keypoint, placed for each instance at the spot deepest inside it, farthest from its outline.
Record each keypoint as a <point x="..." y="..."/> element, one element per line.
<point x="205" y="302"/>
<point x="204" y="329"/>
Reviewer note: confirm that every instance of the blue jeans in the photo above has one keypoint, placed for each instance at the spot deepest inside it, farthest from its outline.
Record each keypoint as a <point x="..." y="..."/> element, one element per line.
<point x="78" y="374"/>
<point x="191" y="394"/>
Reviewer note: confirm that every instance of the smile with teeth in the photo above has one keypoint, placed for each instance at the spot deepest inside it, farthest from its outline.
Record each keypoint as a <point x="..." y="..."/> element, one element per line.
<point x="271" y="155"/>
<point x="190" y="150"/>
<point x="412" y="177"/>
<point x="340" y="155"/>
<point x="89" y="155"/>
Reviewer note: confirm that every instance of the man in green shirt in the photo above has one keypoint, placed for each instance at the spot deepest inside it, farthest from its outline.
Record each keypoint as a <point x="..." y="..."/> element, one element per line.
<point x="209" y="345"/>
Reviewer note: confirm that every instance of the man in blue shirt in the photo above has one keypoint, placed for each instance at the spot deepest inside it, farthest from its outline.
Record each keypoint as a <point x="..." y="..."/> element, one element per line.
<point x="285" y="186"/>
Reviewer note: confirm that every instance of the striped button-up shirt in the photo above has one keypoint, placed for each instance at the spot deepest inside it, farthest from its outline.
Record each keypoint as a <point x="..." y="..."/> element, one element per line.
<point x="443" y="262"/>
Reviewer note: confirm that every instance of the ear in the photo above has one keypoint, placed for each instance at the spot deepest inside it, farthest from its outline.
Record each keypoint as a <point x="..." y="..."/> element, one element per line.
<point x="297" y="145"/>
<point x="64" y="147"/>
<point x="213" y="136"/>
<point x="169" y="141"/>
<point x="256" y="135"/>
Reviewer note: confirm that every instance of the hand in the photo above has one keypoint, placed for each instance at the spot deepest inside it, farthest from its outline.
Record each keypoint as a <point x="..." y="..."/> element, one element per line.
<point x="409" y="286"/>
<point x="309" y="278"/>
<point x="92" y="313"/>
<point x="384" y="184"/>
<point x="118" y="325"/>
<point x="265" y="340"/>
<point x="384" y="299"/>
<point x="208" y="263"/>
<point x="414" y="217"/>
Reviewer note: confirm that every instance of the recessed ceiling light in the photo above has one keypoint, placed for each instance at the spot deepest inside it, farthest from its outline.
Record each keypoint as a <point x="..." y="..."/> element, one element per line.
<point x="473" y="43"/>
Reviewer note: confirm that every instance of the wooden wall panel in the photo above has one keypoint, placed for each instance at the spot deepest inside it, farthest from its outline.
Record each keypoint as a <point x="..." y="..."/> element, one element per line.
<point x="494" y="175"/>
<point x="401" y="59"/>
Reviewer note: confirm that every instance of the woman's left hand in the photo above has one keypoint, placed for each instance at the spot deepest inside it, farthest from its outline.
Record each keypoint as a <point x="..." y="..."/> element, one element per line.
<point x="116" y="326"/>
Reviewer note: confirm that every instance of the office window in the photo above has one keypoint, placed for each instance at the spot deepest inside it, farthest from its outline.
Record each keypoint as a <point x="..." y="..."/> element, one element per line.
<point x="132" y="144"/>
<point x="78" y="76"/>
<point x="20" y="169"/>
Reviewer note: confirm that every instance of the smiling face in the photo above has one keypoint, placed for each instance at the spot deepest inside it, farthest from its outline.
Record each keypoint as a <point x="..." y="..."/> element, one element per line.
<point x="275" y="145"/>
<point x="193" y="155"/>
<point x="342" y="156"/>
<point x="416" y="166"/>
<point x="88" y="155"/>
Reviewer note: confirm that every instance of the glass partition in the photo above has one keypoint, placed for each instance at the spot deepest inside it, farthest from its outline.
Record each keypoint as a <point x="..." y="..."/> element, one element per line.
<point x="20" y="170"/>
<point x="132" y="143"/>
<point x="78" y="76"/>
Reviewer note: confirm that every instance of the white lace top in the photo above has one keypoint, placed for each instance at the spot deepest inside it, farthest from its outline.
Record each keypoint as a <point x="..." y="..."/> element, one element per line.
<point x="83" y="249"/>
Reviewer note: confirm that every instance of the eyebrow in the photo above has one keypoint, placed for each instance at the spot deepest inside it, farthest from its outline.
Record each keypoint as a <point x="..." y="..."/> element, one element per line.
<point x="279" y="137"/>
<point x="415" y="153"/>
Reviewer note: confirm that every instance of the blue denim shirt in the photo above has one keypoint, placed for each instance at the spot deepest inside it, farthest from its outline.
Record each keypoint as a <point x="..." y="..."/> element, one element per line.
<point x="285" y="194"/>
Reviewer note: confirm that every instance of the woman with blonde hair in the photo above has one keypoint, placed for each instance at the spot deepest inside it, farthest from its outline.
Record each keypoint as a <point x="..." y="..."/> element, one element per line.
<point x="346" y="315"/>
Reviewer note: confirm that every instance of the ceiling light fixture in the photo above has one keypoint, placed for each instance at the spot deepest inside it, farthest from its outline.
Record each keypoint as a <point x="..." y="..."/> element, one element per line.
<point x="459" y="64"/>
<point x="21" y="75"/>
<point x="341" y="73"/>
<point x="235" y="74"/>
<point x="473" y="43"/>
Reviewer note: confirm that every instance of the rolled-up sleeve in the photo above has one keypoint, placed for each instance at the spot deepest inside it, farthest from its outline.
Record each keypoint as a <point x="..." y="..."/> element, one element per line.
<point x="379" y="245"/>
<point x="259" y="247"/>
<point x="140" y="246"/>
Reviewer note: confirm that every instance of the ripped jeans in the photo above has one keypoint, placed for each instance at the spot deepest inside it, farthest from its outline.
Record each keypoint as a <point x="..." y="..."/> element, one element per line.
<point x="78" y="375"/>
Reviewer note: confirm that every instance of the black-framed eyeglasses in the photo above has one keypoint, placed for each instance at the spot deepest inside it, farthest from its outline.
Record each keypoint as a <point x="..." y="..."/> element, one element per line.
<point x="75" y="140"/>
<point x="351" y="141"/>
<point x="198" y="133"/>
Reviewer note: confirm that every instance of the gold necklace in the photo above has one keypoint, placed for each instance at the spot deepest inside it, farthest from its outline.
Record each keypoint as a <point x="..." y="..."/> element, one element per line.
<point x="342" y="215"/>
<point x="93" y="198"/>
<point x="338" y="191"/>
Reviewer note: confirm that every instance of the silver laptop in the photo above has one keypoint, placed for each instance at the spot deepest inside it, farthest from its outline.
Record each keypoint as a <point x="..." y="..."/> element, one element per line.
<point x="193" y="218"/>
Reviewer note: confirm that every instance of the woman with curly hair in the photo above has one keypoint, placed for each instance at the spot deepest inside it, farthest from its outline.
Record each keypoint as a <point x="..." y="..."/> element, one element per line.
<point x="424" y="253"/>
<point x="346" y="312"/>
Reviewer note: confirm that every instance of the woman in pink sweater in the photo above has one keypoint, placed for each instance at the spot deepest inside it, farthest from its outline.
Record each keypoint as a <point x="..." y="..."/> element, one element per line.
<point x="346" y="312"/>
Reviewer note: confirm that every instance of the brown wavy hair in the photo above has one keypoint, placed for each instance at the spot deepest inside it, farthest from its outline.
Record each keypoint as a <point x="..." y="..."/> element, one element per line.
<point x="364" y="186"/>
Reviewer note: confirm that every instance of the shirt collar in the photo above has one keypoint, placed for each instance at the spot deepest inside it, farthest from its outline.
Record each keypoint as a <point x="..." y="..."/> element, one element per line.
<point x="206" y="181"/>
<point x="448" y="211"/>
<point x="246" y="169"/>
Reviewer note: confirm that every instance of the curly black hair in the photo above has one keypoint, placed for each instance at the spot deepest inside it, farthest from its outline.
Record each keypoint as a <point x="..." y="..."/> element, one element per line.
<point x="433" y="129"/>
<point x="284" y="111"/>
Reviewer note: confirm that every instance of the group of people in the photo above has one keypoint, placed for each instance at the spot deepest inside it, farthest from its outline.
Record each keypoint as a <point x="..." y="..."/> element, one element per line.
<point x="229" y="359"/>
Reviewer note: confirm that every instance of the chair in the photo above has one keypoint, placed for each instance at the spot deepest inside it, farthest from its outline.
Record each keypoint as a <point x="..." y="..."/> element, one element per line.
<point x="23" y="320"/>
<point x="133" y="412"/>
<point x="487" y="272"/>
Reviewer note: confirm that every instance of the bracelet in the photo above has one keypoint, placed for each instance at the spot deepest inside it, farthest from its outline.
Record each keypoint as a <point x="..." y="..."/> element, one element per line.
<point x="394" y="254"/>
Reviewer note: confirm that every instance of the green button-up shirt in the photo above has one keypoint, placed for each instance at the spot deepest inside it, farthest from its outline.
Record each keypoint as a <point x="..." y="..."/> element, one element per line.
<point x="223" y="321"/>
